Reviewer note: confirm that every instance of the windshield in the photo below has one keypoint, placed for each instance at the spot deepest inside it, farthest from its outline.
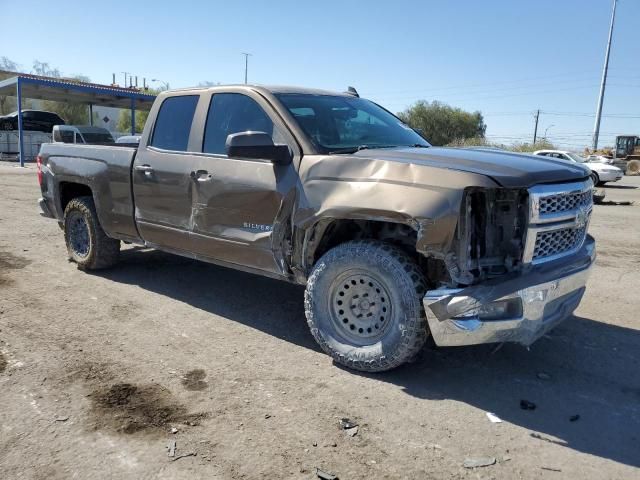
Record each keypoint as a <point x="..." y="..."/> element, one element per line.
<point x="343" y="124"/>
<point x="576" y="158"/>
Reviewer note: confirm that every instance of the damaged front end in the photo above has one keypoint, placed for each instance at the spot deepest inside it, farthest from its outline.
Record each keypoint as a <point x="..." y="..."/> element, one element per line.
<point x="491" y="234"/>
<point x="518" y="265"/>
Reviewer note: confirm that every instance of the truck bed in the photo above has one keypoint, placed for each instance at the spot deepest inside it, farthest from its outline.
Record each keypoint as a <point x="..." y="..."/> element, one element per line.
<point x="105" y="169"/>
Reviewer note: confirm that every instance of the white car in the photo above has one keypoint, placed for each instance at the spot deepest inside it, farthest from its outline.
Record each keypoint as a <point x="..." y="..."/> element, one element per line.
<point x="600" y="172"/>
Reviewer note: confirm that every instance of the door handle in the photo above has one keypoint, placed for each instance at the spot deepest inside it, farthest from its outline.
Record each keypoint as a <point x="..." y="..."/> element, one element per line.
<point x="146" y="169"/>
<point x="200" y="175"/>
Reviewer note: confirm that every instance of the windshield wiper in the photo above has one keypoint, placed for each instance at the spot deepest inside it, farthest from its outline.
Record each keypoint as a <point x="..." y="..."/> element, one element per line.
<point x="360" y="147"/>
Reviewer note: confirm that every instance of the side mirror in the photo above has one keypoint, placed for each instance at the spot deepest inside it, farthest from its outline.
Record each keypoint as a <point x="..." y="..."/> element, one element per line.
<point x="257" y="145"/>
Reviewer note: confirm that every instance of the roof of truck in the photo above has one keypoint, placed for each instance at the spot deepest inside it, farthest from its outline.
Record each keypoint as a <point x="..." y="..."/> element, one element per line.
<point x="273" y="89"/>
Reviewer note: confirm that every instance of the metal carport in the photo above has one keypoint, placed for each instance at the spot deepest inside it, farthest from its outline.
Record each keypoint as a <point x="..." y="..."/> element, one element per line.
<point x="25" y="85"/>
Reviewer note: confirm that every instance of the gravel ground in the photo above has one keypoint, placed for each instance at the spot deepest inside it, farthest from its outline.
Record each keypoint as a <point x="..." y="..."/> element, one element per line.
<point x="98" y="370"/>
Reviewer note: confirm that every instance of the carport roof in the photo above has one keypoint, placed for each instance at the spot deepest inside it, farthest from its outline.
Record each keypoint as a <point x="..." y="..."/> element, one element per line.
<point x="68" y="90"/>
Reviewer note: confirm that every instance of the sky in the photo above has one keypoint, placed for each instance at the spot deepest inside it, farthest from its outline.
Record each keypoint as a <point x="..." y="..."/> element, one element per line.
<point x="504" y="58"/>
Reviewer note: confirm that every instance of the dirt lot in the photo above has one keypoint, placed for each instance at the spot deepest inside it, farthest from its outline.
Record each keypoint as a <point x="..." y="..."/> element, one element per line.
<point x="96" y="370"/>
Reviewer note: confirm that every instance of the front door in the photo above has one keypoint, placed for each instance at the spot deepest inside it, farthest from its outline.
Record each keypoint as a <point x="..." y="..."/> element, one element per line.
<point x="238" y="203"/>
<point x="162" y="185"/>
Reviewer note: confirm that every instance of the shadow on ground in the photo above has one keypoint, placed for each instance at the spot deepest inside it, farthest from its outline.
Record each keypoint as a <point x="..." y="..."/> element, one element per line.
<point x="593" y="367"/>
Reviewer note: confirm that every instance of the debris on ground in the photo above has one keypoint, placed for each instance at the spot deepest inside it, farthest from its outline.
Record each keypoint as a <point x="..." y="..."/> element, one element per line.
<point x="527" y="405"/>
<point x="345" y="423"/>
<point x="171" y="448"/>
<point x="551" y="469"/>
<point x="543" y="376"/>
<point x="325" y="475"/>
<point x="174" y="430"/>
<point x="190" y="454"/>
<point x="493" y="418"/>
<point x="266" y="415"/>
<point x="475" y="462"/>
<point x="574" y="418"/>
<point x="62" y="418"/>
<point x="350" y="427"/>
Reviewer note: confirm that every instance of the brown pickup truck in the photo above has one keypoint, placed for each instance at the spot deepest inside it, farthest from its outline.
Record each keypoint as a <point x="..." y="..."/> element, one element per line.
<point x="394" y="239"/>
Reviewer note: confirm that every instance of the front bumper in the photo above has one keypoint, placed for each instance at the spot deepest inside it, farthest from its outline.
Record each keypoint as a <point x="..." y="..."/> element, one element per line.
<point x="611" y="176"/>
<point x="548" y="293"/>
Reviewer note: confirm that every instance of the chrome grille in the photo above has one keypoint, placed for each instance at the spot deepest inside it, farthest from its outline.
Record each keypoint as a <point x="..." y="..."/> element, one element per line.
<point x="558" y="220"/>
<point x="555" y="242"/>
<point x="564" y="202"/>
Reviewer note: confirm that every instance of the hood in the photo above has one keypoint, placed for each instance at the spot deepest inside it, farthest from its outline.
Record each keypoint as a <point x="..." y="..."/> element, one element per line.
<point x="510" y="170"/>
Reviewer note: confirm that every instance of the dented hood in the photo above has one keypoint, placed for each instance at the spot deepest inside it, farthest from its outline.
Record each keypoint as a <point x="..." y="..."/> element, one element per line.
<point x="512" y="170"/>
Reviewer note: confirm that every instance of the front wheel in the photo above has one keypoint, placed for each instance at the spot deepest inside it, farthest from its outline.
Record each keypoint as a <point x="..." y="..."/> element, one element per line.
<point x="86" y="241"/>
<point x="363" y="303"/>
<point x="595" y="179"/>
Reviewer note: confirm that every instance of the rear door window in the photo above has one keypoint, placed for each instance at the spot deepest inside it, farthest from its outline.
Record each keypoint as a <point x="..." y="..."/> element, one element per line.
<point x="173" y="124"/>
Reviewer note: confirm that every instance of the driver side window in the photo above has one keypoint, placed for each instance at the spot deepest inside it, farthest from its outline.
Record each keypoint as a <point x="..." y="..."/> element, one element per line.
<point x="233" y="113"/>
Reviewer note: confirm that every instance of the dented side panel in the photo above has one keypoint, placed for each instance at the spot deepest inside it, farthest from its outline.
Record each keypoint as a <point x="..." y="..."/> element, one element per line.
<point x="350" y="187"/>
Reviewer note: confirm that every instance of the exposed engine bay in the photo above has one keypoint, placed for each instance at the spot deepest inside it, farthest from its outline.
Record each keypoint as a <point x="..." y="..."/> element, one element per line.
<point x="491" y="235"/>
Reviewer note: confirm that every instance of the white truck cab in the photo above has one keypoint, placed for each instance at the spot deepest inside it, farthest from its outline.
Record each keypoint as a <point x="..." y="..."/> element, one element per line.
<point x="86" y="134"/>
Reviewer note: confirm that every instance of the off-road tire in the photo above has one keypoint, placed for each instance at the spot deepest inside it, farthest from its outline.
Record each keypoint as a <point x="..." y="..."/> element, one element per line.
<point x="396" y="273"/>
<point x="633" y="167"/>
<point x="102" y="251"/>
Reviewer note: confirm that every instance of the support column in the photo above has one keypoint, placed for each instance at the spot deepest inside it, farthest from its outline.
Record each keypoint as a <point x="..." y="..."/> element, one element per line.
<point x="91" y="114"/>
<point x="20" y="131"/>
<point x="133" y="116"/>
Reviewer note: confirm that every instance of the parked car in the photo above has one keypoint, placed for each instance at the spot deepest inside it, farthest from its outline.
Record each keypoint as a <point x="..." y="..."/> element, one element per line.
<point x="81" y="134"/>
<point x="37" y="120"/>
<point x="131" y="139"/>
<point x="394" y="239"/>
<point x="601" y="173"/>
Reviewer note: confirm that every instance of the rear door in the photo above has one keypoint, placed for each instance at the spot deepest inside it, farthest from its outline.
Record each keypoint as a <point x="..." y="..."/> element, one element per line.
<point x="162" y="185"/>
<point x="239" y="206"/>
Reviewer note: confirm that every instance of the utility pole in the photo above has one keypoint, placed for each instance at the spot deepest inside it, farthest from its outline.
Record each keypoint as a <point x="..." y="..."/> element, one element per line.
<point x="125" y="78"/>
<point x="596" y="127"/>
<point x="535" y="130"/>
<point x="246" y="65"/>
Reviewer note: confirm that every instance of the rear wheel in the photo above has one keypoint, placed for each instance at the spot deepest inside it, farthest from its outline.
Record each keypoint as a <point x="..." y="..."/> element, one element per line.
<point x="86" y="241"/>
<point x="363" y="303"/>
<point x="595" y="179"/>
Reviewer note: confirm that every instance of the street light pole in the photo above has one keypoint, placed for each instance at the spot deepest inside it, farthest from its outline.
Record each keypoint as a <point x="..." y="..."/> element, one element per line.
<point x="546" y="129"/>
<point x="163" y="84"/>
<point x="596" y="127"/>
<point x="246" y="65"/>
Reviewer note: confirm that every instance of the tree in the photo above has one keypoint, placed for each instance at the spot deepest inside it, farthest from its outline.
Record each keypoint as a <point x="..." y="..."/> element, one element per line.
<point x="442" y="124"/>
<point x="7" y="103"/>
<point x="44" y="69"/>
<point x="124" y="120"/>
